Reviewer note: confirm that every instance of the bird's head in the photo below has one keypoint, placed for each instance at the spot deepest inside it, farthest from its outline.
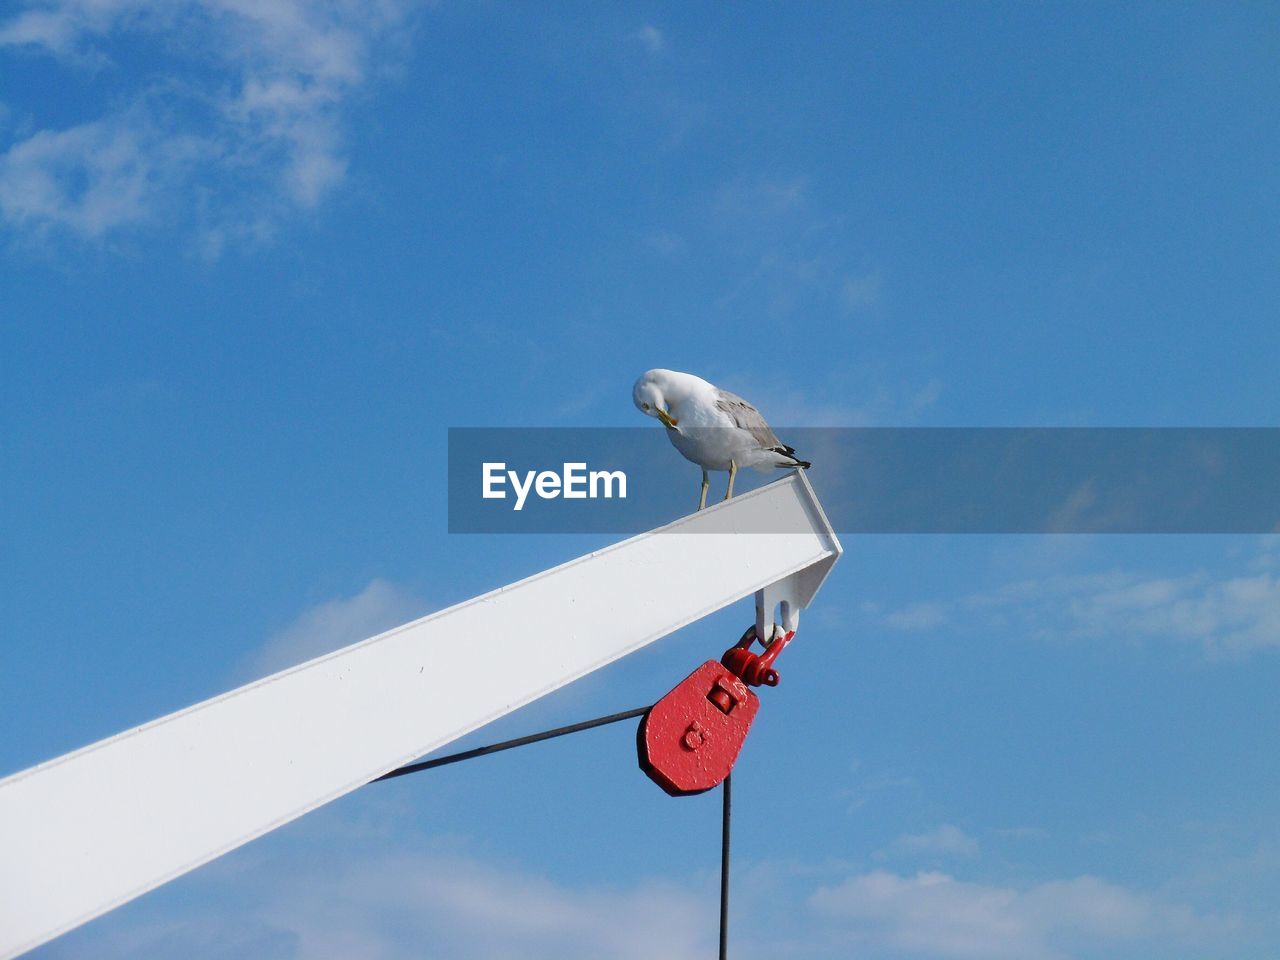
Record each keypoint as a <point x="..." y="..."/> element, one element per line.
<point x="651" y="399"/>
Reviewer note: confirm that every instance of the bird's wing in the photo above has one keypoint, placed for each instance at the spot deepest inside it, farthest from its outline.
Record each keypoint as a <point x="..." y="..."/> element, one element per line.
<point x="746" y="417"/>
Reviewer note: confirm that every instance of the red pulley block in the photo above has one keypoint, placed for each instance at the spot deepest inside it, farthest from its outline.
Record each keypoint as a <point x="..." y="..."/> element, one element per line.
<point x="690" y="739"/>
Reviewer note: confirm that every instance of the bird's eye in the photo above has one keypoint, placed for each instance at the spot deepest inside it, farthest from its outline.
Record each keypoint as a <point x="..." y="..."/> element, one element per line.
<point x="645" y="405"/>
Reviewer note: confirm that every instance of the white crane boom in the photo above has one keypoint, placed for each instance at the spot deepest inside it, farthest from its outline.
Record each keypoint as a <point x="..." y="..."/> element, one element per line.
<point x="90" y="830"/>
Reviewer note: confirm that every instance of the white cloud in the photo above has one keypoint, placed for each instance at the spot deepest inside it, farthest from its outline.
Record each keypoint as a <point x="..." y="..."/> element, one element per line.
<point x="332" y="889"/>
<point x="935" y="915"/>
<point x="794" y="248"/>
<point x="762" y="204"/>
<point x="871" y="402"/>
<point x="467" y="908"/>
<point x="667" y="243"/>
<point x="1268" y="557"/>
<point x="948" y="840"/>
<point x="334" y="624"/>
<point x="1022" y="832"/>
<point x="918" y="616"/>
<point x="650" y="37"/>
<point x="1232" y="615"/>
<point x="868" y="786"/>
<point x="367" y="880"/>
<point x="53" y="28"/>
<point x="249" y="126"/>
<point x="89" y="179"/>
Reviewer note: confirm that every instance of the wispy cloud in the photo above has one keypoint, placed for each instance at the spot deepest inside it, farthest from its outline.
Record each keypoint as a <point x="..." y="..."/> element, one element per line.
<point x="332" y="887"/>
<point x="243" y="123"/>
<point x="793" y="249"/>
<point x="369" y="882"/>
<point x="334" y="624"/>
<point x="760" y="202"/>
<point x="650" y="37"/>
<point x="667" y="243"/>
<point x="918" y="616"/>
<point x="935" y="915"/>
<point x="947" y="840"/>
<point x="866" y="786"/>
<point x="95" y="177"/>
<point x="1224" y="614"/>
<point x="866" y="398"/>
<point x="394" y="905"/>
<point x="1022" y="832"/>
<point x="1268" y="557"/>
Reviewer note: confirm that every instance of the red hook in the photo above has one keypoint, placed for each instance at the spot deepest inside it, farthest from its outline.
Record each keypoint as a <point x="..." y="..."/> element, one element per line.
<point x="753" y="668"/>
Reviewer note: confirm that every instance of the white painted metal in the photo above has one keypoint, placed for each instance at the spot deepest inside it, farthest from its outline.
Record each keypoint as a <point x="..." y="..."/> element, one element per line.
<point x="788" y="595"/>
<point x="92" y="829"/>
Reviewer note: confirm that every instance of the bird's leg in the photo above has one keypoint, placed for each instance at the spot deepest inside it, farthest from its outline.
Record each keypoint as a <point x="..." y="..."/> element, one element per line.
<point x="733" y="472"/>
<point x="706" y="482"/>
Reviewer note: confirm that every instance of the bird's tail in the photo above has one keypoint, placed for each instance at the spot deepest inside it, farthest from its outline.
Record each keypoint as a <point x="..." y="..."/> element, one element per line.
<point x="790" y="454"/>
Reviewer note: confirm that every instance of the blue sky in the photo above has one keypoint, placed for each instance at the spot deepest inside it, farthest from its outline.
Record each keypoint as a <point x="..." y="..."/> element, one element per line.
<point x="258" y="257"/>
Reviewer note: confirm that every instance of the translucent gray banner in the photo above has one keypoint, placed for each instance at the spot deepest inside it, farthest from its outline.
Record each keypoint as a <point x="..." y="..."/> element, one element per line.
<point x="883" y="480"/>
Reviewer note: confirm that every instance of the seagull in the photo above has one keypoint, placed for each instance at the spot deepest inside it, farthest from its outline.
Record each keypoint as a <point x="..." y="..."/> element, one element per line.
<point x="713" y="428"/>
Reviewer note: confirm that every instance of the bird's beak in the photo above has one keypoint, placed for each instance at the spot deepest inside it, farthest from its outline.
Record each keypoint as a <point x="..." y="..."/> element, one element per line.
<point x="668" y="421"/>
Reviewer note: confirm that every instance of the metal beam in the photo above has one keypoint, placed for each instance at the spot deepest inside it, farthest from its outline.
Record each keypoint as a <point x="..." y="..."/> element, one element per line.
<point x="90" y="830"/>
